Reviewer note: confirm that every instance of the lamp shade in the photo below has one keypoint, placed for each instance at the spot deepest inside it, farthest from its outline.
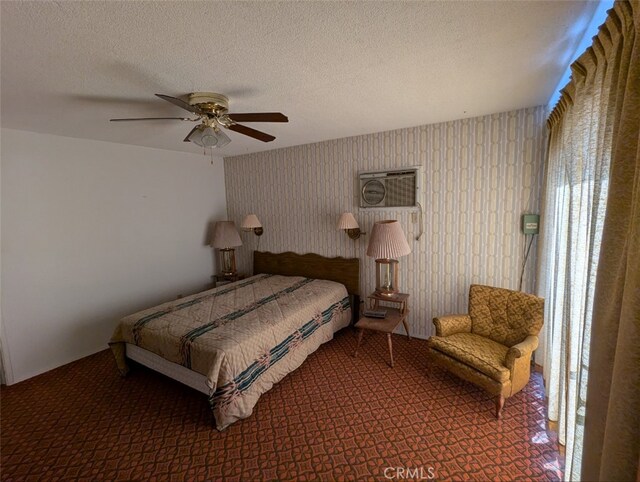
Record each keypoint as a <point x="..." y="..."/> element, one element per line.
<point x="225" y="235"/>
<point x="347" y="221"/>
<point x="206" y="136"/>
<point x="251" y="221"/>
<point x="223" y="139"/>
<point x="387" y="241"/>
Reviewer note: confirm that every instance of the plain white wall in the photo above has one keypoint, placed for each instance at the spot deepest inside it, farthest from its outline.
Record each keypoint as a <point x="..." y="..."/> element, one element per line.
<point x="2" y="336"/>
<point x="93" y="231"/>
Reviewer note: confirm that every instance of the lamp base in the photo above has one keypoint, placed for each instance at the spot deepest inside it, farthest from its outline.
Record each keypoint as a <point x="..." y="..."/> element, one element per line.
<point x="354" y="233"/>
<point x="386" y="292"/>
<point x="228" y="262"/>
<point x="387" y="277"/>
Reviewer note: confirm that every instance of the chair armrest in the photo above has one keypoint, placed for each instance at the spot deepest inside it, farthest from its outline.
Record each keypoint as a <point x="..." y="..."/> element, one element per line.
<point x="524" y="348"/>
<point x="452" y="324"/>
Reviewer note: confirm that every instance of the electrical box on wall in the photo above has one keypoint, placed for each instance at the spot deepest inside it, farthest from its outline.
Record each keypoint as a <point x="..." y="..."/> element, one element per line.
<point x="530" y="223"/>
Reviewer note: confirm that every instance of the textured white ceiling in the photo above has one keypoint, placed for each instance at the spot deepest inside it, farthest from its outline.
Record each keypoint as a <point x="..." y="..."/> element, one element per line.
<point x="336" y="69"/>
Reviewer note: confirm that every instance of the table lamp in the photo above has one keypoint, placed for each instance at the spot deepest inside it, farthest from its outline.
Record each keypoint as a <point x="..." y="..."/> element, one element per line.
<point x="226" y="238"/>
<point x="387" y="243"/>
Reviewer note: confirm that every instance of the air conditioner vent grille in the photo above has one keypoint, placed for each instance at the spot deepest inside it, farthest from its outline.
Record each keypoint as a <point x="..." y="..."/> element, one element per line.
<point x="389" y="189"/>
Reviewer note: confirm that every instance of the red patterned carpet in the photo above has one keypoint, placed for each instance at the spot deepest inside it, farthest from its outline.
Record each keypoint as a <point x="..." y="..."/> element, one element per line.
<point x="335" y="418"/>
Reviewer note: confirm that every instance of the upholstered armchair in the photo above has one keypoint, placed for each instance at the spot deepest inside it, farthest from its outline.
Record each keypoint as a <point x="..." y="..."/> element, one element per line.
<point x="492" y="345"/>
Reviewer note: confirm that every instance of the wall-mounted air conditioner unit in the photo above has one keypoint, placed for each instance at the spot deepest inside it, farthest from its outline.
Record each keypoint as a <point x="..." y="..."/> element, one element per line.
<point x="387" y="189"/>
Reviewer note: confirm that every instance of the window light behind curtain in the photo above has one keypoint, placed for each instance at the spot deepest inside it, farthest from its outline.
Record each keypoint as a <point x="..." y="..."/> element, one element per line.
<point x="581" y="132"/>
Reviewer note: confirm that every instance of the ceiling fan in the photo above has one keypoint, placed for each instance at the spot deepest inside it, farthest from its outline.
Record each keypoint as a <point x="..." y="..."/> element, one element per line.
<point x="212" y="111"/>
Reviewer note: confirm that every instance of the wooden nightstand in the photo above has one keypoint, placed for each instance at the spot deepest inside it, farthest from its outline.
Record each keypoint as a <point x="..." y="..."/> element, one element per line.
<point x="223" y="279"/>
<point x="388" y="324"/>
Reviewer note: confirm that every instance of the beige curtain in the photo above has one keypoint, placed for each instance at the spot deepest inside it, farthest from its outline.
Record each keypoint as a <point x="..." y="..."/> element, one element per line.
<point x="612" y="428"/>
<point x="584" y="130"/>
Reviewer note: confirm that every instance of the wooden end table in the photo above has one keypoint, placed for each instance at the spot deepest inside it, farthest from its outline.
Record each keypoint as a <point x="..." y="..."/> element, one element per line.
<point x="223" y="279"/>
<point x="388" y="324"/>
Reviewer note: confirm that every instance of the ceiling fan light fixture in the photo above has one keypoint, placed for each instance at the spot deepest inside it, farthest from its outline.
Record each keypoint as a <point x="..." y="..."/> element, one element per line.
<point x="196" y="136"/>
<point x="208" y="137"/>
<point x="223" y="139"/>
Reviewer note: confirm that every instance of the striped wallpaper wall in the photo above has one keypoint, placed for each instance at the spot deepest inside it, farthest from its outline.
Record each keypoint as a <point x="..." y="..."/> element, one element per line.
<point x="479" y="176"/>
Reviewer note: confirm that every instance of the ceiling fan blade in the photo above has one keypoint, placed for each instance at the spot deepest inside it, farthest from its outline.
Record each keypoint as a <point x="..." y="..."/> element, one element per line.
<point x="180" y="103"/>
<point x="259" y="117"/>
<point x="150" y="118"/>
<point x="248" y="131"/>
<point x="186" y="139"/>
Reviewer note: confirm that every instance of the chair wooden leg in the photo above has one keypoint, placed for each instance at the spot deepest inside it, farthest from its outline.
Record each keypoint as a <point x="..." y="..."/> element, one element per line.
<point x="499" y="405"/>
<point x="360" y="333"/>
<point x="390" y="348"/>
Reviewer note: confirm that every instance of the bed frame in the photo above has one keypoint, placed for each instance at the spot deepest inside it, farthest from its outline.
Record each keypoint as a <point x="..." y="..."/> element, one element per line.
<point x="342" y="270"/>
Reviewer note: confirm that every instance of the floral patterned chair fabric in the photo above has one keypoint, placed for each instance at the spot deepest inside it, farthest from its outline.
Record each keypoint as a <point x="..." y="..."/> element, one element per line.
<point x="492" y="345"/>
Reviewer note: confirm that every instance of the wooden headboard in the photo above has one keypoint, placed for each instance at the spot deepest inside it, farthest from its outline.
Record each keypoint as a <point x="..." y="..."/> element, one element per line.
<point x="341" y="270"/>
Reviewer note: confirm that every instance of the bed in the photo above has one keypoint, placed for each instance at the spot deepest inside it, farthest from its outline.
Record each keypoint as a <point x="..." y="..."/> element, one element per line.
<point x="233" y="343"/>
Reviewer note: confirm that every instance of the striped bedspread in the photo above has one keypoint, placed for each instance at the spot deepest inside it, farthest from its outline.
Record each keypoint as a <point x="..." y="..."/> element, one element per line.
<point x="243" y="337"/>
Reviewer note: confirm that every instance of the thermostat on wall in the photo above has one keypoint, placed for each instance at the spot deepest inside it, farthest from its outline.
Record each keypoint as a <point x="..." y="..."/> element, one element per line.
<point x="530" y="223"/>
